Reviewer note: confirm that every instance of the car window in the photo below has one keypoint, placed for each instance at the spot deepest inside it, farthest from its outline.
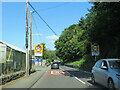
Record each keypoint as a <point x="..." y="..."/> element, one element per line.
<point x="115" y="64"/>
<point x="98" y="63"/>
<point x="104" y="63"/>
<point x="55" y="63"/>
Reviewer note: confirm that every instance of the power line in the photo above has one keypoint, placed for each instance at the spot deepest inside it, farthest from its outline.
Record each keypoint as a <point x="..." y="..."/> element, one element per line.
<point x="36" y="26"/>
<point x="42" y="19"/>
<point x="55" y="6"/>
<point x="35" y="23"/>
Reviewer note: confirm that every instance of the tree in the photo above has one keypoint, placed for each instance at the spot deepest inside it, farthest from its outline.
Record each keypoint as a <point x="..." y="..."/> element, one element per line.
<point x="103" y="22"/>
<point x="70" y="46"/>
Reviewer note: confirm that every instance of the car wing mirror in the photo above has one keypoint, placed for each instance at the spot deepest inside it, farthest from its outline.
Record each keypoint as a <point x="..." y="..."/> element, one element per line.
<point x="104" y="67"/>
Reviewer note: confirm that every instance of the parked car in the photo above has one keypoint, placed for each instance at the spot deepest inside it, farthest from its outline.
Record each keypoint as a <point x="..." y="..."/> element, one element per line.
<point x="55" y="65"/>
<point x="107" y="73"/>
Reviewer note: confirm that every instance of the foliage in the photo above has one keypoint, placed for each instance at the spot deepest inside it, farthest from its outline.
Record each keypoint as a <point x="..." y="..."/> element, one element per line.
<point x="101" y="25"/>
<point x="80" y="62"/>
<point x="71" y="43"/>
<point x="103" y="28"/>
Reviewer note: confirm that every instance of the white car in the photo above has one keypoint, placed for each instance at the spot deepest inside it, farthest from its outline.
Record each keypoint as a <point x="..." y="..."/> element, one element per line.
<point x="107" y="73"/>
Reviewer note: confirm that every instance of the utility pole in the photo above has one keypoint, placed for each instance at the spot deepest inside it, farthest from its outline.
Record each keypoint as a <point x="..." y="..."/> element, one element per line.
<point x="27" y="58"/>
<point x="30" y="41"/>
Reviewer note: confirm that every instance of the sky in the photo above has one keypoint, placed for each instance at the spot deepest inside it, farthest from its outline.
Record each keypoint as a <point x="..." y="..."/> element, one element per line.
<point x="59" y="15"/>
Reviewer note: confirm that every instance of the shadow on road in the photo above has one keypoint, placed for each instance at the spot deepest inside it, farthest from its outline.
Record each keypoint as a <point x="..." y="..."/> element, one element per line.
<point x="78" y="73"/>
<point x="96" y="85"/>
<point x="81" y="74"/>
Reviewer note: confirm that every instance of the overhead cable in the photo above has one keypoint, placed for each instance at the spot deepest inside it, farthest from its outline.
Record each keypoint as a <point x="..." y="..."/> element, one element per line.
<point x="42" y="18"/>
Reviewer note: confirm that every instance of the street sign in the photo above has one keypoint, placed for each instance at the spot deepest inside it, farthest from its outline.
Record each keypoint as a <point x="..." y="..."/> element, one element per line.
<point x="95" y="50"/>
<point x="38" y="54"/>
<point x="38" y="50"/>
<point x="37" y="61"/>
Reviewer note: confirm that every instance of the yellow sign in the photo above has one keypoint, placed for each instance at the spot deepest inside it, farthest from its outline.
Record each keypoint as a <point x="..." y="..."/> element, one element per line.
<point x="38" y="48"/>
<point x="94" y="48"/>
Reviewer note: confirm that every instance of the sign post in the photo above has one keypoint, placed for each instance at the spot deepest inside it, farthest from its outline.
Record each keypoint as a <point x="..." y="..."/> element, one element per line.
<point x="95" y="50"/>
<point x="38" y="50"/>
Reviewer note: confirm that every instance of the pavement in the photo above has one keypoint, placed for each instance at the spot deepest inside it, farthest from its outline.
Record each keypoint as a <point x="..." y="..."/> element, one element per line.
<point x="26" y="81"/>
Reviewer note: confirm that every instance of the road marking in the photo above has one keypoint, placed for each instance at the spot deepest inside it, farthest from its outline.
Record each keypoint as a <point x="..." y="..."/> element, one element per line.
<point x="90" y="84"/>
<point x="51" y="72"/>
<point x="61" y="69"/>
<point x="79" y="80"/>
<point x="75" y="77"/>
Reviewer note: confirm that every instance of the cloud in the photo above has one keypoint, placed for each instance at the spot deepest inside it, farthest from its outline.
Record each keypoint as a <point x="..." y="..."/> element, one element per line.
<point x="52" y="37"/>
<point x="37" y="34"/>
<point x="52" y="42"/>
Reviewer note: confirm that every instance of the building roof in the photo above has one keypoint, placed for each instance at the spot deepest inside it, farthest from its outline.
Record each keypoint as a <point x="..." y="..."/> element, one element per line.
<point x="12" y="46"/>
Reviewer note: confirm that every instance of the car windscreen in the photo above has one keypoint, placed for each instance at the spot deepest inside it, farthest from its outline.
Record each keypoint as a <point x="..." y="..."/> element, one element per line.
<point x="55" y="63"/>
<point x="115" y="64"/>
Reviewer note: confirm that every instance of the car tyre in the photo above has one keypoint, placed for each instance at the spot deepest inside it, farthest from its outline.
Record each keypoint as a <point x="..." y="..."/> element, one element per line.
<point x="111" y="84"/>
<point x="93" y="79"/>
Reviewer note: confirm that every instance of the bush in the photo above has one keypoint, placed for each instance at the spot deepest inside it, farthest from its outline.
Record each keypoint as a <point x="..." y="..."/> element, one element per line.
<point x="77" y="64"/>
<point x="89" y="62"/>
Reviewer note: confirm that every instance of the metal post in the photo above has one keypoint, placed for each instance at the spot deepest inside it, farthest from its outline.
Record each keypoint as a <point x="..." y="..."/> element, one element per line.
<point x="27" y="61"/>
<point x="95" y="58"/>
<point x="30" y="40"/>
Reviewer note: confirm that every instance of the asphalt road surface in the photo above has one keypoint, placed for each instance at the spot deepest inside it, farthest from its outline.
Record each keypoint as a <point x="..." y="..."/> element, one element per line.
<point x="65" y="77"/>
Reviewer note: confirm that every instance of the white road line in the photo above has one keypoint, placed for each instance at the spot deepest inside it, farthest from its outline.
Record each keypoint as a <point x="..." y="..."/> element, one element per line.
<point x="61" y="69"/>
<point x="79" y="80"/>
<point x="51" y="72"/>
<point x="90" y="84"/>
<point x="75" y="77"/>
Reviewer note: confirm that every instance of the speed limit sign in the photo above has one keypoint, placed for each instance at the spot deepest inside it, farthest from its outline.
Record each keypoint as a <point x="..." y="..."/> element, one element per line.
<point x="38" y="48"/>
<point x="95" y="50"/>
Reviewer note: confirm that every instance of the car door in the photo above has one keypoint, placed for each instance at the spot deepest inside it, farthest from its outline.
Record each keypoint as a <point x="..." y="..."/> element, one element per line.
<point x="103" y="73"/>
<point x="96" y="70"/>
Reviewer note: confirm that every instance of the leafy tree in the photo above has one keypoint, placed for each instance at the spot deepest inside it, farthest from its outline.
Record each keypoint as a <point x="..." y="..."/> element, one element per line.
<point x="103" y="27"/>
<point x="70" y="46"/>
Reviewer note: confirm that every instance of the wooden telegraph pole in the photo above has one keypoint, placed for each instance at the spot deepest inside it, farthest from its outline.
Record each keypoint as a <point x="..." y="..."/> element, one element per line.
<point x="27" y="58"/>
<point x="30" y="40"/>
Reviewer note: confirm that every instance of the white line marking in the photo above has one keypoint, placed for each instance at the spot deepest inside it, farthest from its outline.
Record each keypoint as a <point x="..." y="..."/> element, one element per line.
<point x="90" y="84"/>
<point x="79" y="80"/>
<point x="75" y="77"/>
<point x="51" y="72"/>
<point x="61" y="69"/>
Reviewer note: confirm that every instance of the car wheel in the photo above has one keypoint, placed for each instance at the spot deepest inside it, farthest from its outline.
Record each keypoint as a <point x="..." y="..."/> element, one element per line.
<point x="93" y="79"/>
<point x="111" y="84"/>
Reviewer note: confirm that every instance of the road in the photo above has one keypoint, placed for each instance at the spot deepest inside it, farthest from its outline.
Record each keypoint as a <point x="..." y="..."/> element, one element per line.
<point x="64" y="77"/>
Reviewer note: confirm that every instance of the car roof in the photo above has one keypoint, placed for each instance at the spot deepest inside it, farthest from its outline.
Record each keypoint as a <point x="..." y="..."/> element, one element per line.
<point x="110" y="59"/>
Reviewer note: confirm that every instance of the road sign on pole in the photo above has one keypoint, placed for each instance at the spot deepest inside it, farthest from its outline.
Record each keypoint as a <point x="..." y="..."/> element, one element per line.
<point x="38" y="50"/>
<point x="95" y="50"/>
